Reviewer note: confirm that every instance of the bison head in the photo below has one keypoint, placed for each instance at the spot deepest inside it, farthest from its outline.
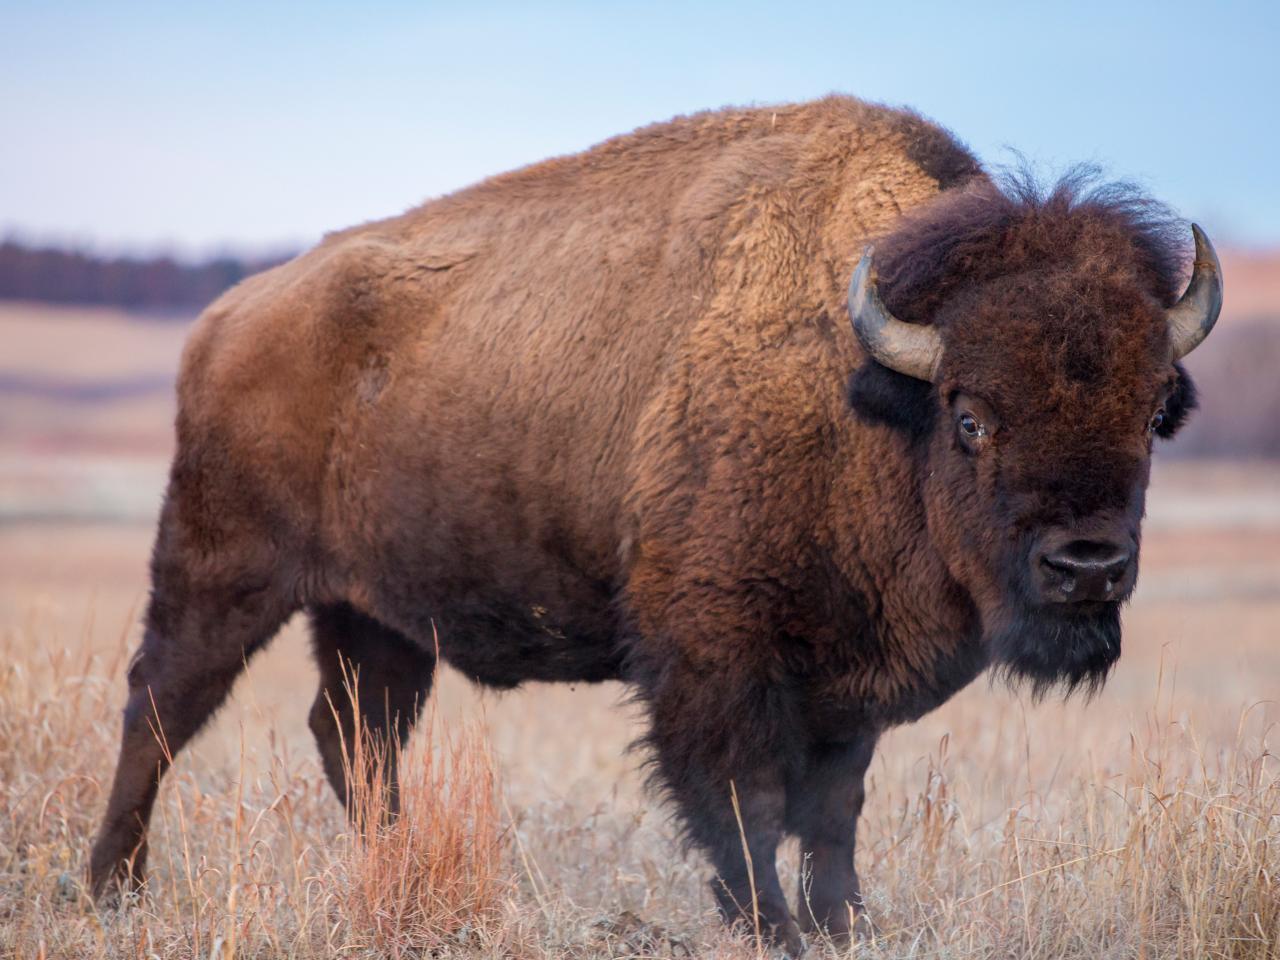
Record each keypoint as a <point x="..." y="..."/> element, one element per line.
<point x="1029" y="347"/>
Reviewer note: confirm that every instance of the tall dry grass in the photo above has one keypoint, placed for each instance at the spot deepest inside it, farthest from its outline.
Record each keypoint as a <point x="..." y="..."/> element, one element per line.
<point x="1172" y="852"/>
<point x="264" y="865"/>
<point x="433" y="877"/>
<point x="1175" y="854"/>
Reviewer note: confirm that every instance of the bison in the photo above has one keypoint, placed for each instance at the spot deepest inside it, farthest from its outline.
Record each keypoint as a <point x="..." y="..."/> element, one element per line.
<point x="605" y="418"/>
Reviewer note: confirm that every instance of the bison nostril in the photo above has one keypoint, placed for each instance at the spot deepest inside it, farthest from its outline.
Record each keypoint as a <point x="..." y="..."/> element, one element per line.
<point x="1082" y="570"/>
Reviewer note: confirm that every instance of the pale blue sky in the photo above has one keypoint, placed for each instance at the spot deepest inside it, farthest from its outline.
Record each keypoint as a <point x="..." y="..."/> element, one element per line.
<point x="136" y="125"/>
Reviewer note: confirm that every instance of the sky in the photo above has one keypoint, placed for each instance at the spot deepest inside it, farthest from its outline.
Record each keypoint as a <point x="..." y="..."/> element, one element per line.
<point x="201" y="127"/>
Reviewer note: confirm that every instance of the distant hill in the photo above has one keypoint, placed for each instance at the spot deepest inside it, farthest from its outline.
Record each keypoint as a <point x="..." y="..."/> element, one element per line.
<point x="1252" y="284"/>
<point x="1236" y="369"/>
<point x="50" y="275"/>
<point x="1236" y="376"/>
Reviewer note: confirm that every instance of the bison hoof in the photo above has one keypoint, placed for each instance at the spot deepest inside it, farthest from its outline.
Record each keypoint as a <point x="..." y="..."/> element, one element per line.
<point x="841" y="925"/>
<point x="116" y="883"/>
<point x="786" y="936"/>
<point x="117" y="891"/>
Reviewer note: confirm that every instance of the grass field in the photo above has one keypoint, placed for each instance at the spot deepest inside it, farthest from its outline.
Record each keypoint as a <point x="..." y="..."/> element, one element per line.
<point x="1144" y="823"/>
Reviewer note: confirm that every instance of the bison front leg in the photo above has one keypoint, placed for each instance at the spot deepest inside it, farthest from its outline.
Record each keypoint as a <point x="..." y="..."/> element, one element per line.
<point x="823" y="806"/>
<point x="721" y="751"/>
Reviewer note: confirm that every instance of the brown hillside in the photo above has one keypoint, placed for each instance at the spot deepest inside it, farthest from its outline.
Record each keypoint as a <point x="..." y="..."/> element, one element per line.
<point x="1236" y="368"/>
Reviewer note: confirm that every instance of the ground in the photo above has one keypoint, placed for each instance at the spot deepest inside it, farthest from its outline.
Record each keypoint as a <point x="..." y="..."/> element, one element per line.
<point x="1142" y="823"/>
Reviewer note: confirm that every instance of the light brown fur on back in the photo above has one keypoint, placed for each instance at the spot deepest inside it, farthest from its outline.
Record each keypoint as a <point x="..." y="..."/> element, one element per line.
<point x="541" y="318"/>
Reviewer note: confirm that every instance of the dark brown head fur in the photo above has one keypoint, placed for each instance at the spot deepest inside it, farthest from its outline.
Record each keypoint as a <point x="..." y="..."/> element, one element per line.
<point x="1050" y="304"/>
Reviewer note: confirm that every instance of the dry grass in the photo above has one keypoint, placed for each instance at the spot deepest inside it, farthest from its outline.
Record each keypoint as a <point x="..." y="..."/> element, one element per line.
<point x="1174" y="851"/>
<point x="436" y="876"/>
<point x="264" y="867"/>
<point x="1175" y="855"/>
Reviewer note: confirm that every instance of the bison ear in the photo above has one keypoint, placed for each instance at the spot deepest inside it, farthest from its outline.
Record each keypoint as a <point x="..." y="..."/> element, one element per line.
<point x="883" y="396"/>
<point x="1182" y="400"/>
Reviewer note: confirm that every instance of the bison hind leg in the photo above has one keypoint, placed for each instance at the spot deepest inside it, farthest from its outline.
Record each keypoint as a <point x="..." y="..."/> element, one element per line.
<point x="210" y="611"/>
<point x="374" y="682"/>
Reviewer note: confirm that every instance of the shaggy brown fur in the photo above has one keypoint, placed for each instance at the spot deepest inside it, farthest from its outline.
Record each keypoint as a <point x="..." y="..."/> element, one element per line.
<point x="590" y="420"/>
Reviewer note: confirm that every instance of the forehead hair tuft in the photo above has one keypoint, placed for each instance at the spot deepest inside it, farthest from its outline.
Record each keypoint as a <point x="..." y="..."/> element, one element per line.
<point x="1109" y="231"/>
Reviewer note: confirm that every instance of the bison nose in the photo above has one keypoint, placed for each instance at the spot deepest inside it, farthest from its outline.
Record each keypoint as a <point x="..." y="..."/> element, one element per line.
<point x="1085" y="570"/>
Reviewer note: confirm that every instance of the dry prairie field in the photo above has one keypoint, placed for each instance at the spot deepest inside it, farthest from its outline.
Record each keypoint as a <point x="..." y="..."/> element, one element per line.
<point x="1142" y="823"/>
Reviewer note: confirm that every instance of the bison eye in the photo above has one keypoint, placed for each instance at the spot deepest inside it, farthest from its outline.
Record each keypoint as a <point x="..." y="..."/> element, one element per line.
<point x="970" y="426"/>
<point x="1156" y="422"/>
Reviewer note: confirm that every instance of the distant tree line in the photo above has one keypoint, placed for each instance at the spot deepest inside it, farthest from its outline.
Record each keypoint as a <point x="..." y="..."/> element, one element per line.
<point x="156" y="283"/>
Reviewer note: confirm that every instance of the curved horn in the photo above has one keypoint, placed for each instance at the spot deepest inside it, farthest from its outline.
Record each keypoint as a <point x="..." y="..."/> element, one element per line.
<point x="1192" y="317"/>
<point x="909" y="348"/>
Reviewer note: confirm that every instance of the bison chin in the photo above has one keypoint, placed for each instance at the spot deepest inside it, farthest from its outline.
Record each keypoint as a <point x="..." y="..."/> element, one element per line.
<point x="1048" y="648"/>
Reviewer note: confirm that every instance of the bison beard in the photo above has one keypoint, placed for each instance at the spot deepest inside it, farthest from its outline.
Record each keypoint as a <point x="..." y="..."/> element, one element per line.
<point x="1048" y="649"/>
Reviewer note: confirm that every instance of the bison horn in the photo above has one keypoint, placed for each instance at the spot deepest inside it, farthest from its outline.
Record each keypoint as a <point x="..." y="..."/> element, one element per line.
<point x="1192" y="317"/>
<point x="909" y="348"/>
